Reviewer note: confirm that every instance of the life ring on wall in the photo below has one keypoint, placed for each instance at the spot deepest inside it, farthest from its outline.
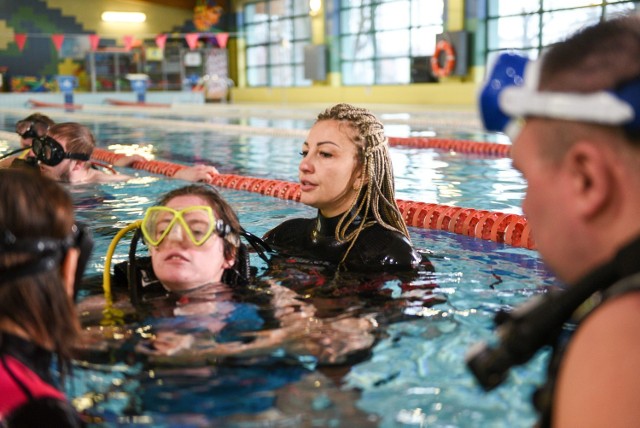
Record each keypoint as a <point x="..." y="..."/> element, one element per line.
<point x="445" y="47"/>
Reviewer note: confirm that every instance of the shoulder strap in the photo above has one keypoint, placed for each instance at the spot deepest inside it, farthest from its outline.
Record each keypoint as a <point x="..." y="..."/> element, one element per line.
<point x="21" y="385"/>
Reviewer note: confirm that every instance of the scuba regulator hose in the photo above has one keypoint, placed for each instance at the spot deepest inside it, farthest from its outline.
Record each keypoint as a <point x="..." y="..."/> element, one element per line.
<point x="113" y="316"/>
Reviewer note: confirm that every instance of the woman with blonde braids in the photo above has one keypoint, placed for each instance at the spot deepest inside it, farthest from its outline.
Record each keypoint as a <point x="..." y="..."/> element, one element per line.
<point x="346" y="173"/>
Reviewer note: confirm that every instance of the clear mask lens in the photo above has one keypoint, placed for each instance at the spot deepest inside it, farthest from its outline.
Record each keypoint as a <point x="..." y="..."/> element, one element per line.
<point x="197" y="223"/>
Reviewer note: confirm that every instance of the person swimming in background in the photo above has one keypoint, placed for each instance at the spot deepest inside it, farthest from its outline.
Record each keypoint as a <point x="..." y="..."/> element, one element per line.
<point x="64" y="154"/>
<point x="36" y="125"/>
<point x="33" y="126"/>
<point x="346" y="173"/>
<point x="42" y="256"/>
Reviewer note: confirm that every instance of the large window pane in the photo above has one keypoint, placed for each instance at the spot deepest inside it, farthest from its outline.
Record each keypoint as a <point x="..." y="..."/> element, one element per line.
<point x="281" y="76"/>
<point x="257" y="56"/>
<point x="358" y="73"/>
<point x="393" y="71"/>
<point x="557" y="25"/>
<point x="257" y="34"/>
<point x="512" y="7"/>
<point x="299" y="76"/>
<point x="514" y="32"/>
<point x="302" y="28"/>
<point x="392" y="15"/>
<point x="280" y="53"/>
<point x="356" y="20"/>
<point x="566" y="4"/>
<point x="619" y="9"/>
<point x="393" y="43"/>
<point x="427" y="12"/>
<point x="257" y="76"/>
<point x="359" y="46"/>
<point x="423" y="40"/>
<point x="275" y="30"/>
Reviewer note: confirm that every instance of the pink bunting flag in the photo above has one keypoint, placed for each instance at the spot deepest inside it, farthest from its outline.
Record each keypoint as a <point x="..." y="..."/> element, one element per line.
<point x="57" y="40"/>
<point x="20" y="39"/>
<point x="128" y="42"/>
<point x="222" y="39"/>
<point x="161" y="40"/>
<point x="94" y="40"/>
<point x="192" y="40"/>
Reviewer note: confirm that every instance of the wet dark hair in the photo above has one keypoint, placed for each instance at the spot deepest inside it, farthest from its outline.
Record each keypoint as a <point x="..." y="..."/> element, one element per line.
<point x="34" y="207"/>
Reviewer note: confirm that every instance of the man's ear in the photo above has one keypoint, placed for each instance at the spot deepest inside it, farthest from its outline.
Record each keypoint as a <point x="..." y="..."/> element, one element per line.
<point x="591" y="177"/>
<point x="69" y="267"/>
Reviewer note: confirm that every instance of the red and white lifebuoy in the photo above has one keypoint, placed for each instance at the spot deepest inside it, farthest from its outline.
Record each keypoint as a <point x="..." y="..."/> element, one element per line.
<point x="443" y="47"/>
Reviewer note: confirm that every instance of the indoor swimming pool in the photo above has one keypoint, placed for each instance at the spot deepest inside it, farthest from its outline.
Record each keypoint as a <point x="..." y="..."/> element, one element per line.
<point x="414" y="373"/>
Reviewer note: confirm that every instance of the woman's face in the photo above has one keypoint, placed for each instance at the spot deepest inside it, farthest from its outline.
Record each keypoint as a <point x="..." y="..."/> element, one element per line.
<point x="180" y="264"/>
<point x="329" y="169"/>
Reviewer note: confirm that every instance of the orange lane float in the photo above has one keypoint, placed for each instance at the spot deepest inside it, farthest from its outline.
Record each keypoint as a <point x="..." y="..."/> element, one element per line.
<point x="510" y="229"/>
<point x="461" y="146"/>
<point x="41" y="104"/>
<point x="115" y="102"/>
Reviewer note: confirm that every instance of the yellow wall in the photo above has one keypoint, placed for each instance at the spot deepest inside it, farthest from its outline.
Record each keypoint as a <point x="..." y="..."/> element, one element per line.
<point x="160" y="19"/>
<point x="446" y="93"/>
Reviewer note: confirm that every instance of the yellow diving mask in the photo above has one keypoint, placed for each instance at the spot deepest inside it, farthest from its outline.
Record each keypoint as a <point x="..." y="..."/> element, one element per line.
<point x="198" y="222"/>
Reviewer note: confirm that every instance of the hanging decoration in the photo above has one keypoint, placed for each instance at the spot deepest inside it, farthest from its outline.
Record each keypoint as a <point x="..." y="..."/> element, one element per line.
<point x="205" y="15"/>
<point x="57" y="40"/>
<point x="20" y="39"/>
<point x="128" y="42"/>
<point x="192" y="40"/>
<point x="161" y="40"/>
<point x="222" y="38"/>
<point x="94" y="41"/>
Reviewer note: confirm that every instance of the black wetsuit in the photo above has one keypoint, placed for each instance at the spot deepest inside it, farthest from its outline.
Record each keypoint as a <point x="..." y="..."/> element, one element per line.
<point x="619" y="276"/>
<point x="376" y="248"/>
<point x="28" y="397"/>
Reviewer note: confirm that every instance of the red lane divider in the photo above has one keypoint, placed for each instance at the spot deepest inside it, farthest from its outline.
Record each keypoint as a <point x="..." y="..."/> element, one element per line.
<point x="511" y="229"/>
<point x="462" y="146"/>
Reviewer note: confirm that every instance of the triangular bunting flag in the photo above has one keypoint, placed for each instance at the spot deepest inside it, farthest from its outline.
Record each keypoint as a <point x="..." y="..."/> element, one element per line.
<point x="222" y="39"/>
<point x="57" y="40"/>
<point x="161" y="40"/>
<point x="20" y="39"/>
<point x="94" y="40"/>
<point x="192" y="40"/>
<point x="128" y="42"/>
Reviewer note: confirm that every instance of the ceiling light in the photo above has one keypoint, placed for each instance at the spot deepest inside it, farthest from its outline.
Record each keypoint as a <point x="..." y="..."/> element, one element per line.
<point x="110" y="16"/>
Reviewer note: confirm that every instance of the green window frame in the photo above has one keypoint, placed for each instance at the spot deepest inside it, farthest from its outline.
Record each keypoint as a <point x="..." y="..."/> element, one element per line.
<point x="276" y="32"/>
<point x="379" y="39"/>
<point x="529" y="26"/>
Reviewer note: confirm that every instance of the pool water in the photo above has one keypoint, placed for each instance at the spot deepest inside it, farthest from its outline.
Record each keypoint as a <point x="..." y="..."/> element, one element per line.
<point x="413" y="375"/>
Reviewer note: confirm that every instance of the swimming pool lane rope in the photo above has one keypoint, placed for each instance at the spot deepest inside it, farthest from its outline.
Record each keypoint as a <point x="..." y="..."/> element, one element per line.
<point x="482" y="148"/>
<point x="510" y="229"/>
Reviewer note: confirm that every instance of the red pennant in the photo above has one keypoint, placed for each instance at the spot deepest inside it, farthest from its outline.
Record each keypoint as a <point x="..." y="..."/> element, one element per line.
<point x="94" y="40"/>
<point x="57" y="40"/>
<point x="161" y="40"/>
<point x="192" y="40"/>
<point x="128" y="42"/>
<point x="222" y="39"/>
<point x="20" y="39"/>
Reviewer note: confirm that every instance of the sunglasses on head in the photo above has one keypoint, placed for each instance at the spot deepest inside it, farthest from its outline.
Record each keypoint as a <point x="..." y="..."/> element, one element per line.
<point x="50" y="152"/>
<point x="31" y="129"/>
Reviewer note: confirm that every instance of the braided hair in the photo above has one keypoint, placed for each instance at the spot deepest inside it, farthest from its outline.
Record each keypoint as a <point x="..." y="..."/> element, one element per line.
<point x="376" y="201"/>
